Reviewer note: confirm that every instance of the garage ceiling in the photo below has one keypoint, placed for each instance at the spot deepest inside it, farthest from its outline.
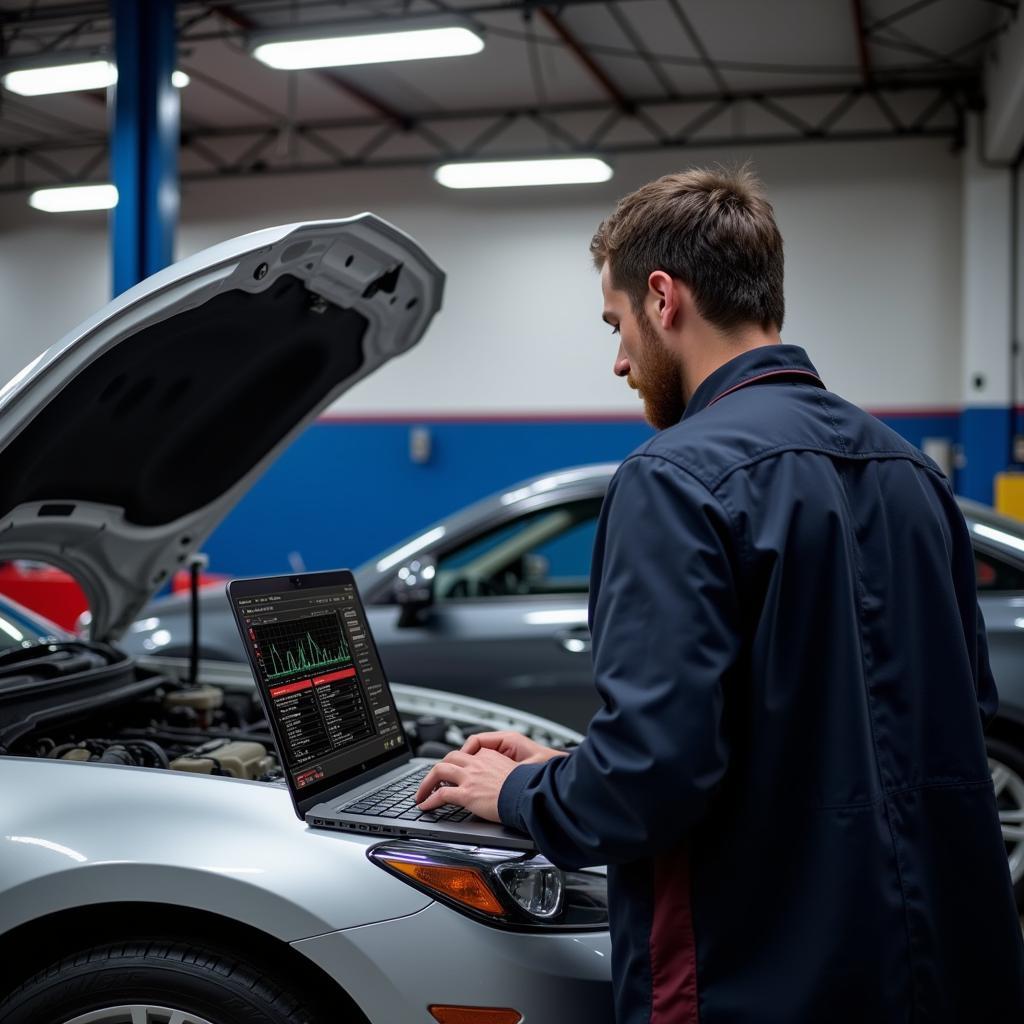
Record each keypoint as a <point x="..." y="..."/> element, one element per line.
<point x="594" y="76"/>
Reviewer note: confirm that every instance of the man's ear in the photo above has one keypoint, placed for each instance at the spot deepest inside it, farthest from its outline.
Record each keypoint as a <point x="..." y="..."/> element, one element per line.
<point x="663" y="293"/>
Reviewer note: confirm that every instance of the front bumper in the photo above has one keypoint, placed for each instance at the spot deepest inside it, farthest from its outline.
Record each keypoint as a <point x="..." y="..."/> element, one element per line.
<point x="396" y="969"/>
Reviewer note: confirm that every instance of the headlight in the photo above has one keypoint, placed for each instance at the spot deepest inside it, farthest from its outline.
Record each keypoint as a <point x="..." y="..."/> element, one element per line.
<point x="500" y="887"/>
<point x="536" y="888"/>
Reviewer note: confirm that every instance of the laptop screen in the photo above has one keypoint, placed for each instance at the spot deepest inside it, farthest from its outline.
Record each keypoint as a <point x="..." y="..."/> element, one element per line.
<point x="320" y="677"/>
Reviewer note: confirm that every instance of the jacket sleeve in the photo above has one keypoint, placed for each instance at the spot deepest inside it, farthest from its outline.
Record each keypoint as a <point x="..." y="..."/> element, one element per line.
<point x="666" y="628"/>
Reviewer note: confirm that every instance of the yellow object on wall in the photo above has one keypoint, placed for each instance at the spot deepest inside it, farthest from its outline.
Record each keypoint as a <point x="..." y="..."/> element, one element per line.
<point x="1010" y="494"/>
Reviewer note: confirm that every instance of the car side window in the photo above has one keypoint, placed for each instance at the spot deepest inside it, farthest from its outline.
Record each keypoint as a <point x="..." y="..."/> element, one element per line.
<point x="994" y="576"/>
<point x="543" y="552"/>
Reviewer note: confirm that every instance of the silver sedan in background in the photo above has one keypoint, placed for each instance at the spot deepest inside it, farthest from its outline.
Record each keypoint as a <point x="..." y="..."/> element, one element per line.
<point x="491" y="602"/>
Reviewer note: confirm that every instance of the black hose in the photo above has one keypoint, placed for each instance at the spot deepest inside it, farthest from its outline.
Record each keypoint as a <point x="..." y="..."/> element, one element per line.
<point x="169" y="734"/>
<point x="156" y="752"/>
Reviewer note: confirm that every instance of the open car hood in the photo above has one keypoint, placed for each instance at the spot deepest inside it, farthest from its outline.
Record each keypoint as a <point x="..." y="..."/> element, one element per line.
<point x="125" y="444"/>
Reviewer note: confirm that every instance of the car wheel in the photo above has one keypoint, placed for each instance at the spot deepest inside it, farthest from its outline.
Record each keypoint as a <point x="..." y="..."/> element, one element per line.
<point x="1007" y="766"/>
<point x="152" y="983"/>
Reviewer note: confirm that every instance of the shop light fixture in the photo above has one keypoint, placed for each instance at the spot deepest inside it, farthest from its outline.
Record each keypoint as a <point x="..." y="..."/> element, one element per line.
<point x="517" y="173"/>
<point x="369" y="47"/>
<point x="72" y="198"/>
<point x="46" y="80"/>
<point x="43" y="81"/>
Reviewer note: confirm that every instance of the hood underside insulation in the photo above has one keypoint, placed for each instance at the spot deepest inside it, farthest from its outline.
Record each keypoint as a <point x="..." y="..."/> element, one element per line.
<point x="167" y="421"/>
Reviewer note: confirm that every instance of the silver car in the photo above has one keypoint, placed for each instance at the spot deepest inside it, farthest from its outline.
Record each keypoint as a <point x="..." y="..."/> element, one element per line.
<point x="152" y="870"/>
<point x="504" y="616"/>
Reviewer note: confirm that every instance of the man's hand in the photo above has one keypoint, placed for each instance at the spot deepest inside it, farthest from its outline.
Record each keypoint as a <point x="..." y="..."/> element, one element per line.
<point x="472" y="781"/>
<point x="514" y="745"/>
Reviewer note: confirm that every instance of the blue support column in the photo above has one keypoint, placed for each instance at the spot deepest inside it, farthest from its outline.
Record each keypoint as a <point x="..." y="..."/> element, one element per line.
<point x="144" y="140"/>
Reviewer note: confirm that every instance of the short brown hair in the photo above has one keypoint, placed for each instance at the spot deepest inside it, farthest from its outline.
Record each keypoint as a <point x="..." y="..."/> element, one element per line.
<point x="712" y="229"/>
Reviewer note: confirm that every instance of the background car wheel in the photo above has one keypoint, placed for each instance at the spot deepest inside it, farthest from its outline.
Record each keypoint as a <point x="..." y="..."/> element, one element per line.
<point x="152" y="983"/>
<point x="1007" y="766"/>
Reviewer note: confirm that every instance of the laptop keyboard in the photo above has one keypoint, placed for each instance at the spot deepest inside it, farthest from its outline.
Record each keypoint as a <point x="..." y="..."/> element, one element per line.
<point x="397" y="800"/>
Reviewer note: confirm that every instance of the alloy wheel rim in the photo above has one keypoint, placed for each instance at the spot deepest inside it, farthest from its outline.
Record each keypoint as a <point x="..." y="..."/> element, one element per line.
<point x="1009" y="787"/>
<point x="138" y="1013"/>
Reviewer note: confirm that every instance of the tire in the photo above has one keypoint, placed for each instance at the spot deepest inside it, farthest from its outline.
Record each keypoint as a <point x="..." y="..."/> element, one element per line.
<point x="160" y="982"/>
<point x="1007" y="765"/>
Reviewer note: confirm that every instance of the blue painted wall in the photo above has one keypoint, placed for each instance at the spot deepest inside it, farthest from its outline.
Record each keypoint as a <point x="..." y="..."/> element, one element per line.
<point x="347" y="489"/>
<point x="915" y="427"/>
<point x="985" y="437"/>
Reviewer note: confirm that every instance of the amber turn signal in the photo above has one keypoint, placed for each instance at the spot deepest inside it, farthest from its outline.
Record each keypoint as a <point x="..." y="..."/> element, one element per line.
<point x="474" y="1015"/>
<point x="463" y="885"/>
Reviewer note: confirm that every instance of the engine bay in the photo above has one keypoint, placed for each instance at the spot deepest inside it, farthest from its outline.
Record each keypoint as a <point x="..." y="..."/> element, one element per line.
<point x="123" y="713"/>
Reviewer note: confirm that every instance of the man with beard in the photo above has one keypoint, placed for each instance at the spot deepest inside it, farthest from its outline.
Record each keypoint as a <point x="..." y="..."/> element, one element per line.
<point x="788" y="777"/>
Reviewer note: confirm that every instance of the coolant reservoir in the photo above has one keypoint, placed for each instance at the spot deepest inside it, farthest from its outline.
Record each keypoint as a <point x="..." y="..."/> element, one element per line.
<point x="243" y="759"/>
<point x="199" y="698"/>
<point x="199" y="765"/>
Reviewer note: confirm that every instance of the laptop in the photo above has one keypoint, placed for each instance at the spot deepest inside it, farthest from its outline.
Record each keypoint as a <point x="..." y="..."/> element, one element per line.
<point x="339" y="737"/>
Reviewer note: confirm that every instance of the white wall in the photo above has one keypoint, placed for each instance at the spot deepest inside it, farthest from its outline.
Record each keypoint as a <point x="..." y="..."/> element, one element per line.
<point x="873" y="281"/>
<point x="987" y="218"/>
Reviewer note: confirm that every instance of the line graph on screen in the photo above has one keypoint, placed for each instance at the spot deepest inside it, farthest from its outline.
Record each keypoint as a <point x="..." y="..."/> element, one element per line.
<point x="301" y="645"/>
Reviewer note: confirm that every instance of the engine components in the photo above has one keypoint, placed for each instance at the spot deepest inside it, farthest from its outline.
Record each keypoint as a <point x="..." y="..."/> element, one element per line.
<point x="240" y="759"/>
<point x="139" y="753"/>
<point x="200" y="698"/>
<point x="201" y="701"/>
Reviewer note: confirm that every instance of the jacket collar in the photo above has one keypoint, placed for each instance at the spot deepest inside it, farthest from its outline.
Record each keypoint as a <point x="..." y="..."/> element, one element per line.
<point x="767" y="363"/>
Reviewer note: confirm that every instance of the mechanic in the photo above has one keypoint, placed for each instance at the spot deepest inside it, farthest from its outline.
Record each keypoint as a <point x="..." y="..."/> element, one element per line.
<point x="787" y="779"/>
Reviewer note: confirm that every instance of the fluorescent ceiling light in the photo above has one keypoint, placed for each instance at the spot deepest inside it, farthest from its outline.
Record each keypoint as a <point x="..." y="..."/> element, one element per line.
<point x="93" y="74"/>
<point x="70" y="198"/>
<point x="378" y="48"/>
<point x="514" y="173"/>
<point x="80" y="77"/>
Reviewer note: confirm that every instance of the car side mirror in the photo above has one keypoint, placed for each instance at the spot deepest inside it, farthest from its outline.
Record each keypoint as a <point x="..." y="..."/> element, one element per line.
<point x="535" y="568"/>
<point x="414" y="590"/>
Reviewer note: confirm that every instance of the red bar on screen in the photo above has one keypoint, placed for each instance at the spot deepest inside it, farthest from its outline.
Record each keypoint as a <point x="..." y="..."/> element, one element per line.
<point x="345" y="673"/>
<point x="281" y="691"/>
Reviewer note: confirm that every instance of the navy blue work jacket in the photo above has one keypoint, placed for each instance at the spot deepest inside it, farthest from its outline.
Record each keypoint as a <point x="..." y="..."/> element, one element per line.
<point x="788" y="777"/>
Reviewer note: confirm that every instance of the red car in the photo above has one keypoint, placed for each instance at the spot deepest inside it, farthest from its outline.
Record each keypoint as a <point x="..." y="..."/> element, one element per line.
<point x="55" y="594"/>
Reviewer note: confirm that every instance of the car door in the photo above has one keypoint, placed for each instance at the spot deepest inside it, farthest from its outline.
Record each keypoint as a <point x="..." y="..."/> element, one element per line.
<point x="509" y="617"/>
<point x="1000" y="577"/>
<point x="1001" y="598"/>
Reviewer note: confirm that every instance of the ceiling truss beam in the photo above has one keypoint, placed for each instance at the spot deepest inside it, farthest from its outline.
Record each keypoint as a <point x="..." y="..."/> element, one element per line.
<point x="862" y="41"/>
<point x="666" y="123"/>
<point x="573" y="45"/>
<point x="653" y="65"/>
<point x="698" y="45"/>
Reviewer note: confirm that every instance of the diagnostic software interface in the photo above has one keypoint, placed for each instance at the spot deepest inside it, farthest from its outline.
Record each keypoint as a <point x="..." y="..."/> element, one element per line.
<point x="321" y="680"/>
